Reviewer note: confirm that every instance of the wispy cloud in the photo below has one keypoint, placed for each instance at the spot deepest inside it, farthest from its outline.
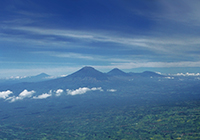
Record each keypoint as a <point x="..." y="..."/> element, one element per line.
<point x="156" y="64"/>
<point x="158" y="44"/>
<point x="68" y="55"/>
<point x="54" y="71"/>
<point x="146" y="65"/>
<point x="42" y="96"/>
<point x="164" y="31"/>
<point x="111" y="90"/>
<point x="183" y="11"/>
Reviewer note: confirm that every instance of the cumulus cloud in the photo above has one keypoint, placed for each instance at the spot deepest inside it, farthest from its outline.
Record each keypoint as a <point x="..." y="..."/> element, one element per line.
<point x="5" y="94"/>
<point x="26" y="93"/>
<point x="59" y="92"/>
<point x="22" y="95"/>
<point x="42" y="96"/>
<point x="111" y="90"/>
<point x="82" y="90"/>
<point x="78" y="91"/>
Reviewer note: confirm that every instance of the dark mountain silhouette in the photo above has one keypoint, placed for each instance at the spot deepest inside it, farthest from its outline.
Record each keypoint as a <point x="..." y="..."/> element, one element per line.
<point x="117" y="72"/>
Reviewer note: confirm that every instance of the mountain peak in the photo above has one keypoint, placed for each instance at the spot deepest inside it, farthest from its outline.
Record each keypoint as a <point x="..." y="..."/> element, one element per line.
<point x="150" y="73"/>
<point x="117" y="72"/>
<point x="87" y="68"/>
<point x="42" y="75"/>
<point x="89" y="72"/>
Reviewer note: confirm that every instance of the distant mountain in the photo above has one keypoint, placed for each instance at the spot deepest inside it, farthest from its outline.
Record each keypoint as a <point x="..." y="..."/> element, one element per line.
<point x="85" y="77"/>
<point x="151" y="74"/>
<point x="88" y="72"/>
<point x="41" y="75"/>
<point x="117" y="72"/>
<point x="37" y="78"/>
<point x="146" y="74"/>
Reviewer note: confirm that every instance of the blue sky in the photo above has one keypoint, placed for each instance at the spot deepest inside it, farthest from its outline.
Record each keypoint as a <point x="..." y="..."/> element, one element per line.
<point x="61" y="36"/>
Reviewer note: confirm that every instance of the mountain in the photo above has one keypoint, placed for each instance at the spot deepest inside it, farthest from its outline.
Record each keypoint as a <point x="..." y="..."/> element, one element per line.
<point x="37" y="78"/>
<point x="151" y="74"/>
<point x="117" y="72"/>
<point x="146" y="74"/>
<point x="88" y="72"/>
<point x="85" y="77"/>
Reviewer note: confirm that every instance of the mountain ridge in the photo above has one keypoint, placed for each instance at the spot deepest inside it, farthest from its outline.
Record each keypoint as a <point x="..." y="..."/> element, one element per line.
<point x="85" y="77"/>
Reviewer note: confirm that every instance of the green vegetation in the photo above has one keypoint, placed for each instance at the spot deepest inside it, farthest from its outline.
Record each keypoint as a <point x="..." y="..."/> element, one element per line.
<point x="121" y="120"/>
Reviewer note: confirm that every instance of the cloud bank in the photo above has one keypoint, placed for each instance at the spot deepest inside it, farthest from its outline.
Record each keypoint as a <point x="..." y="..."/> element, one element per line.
<point x="54" y="93"/>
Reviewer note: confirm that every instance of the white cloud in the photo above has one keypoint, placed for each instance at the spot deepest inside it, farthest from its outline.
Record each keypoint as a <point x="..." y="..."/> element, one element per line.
<point x="42" y="96"/>
<point x="5" y="94"/>
<point x="111" y="90"/>
<point x="78" y="91"/>
<point x="159" y="73"/>
<point x="82" y="90"/>
<point x="26" y="93"/>
<point x="169" y="77"/>
<point x="99" y="88"/>
<point x="58" y="92"/>
<point x="187" y="74"/>
<point x="22" y="95"/>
